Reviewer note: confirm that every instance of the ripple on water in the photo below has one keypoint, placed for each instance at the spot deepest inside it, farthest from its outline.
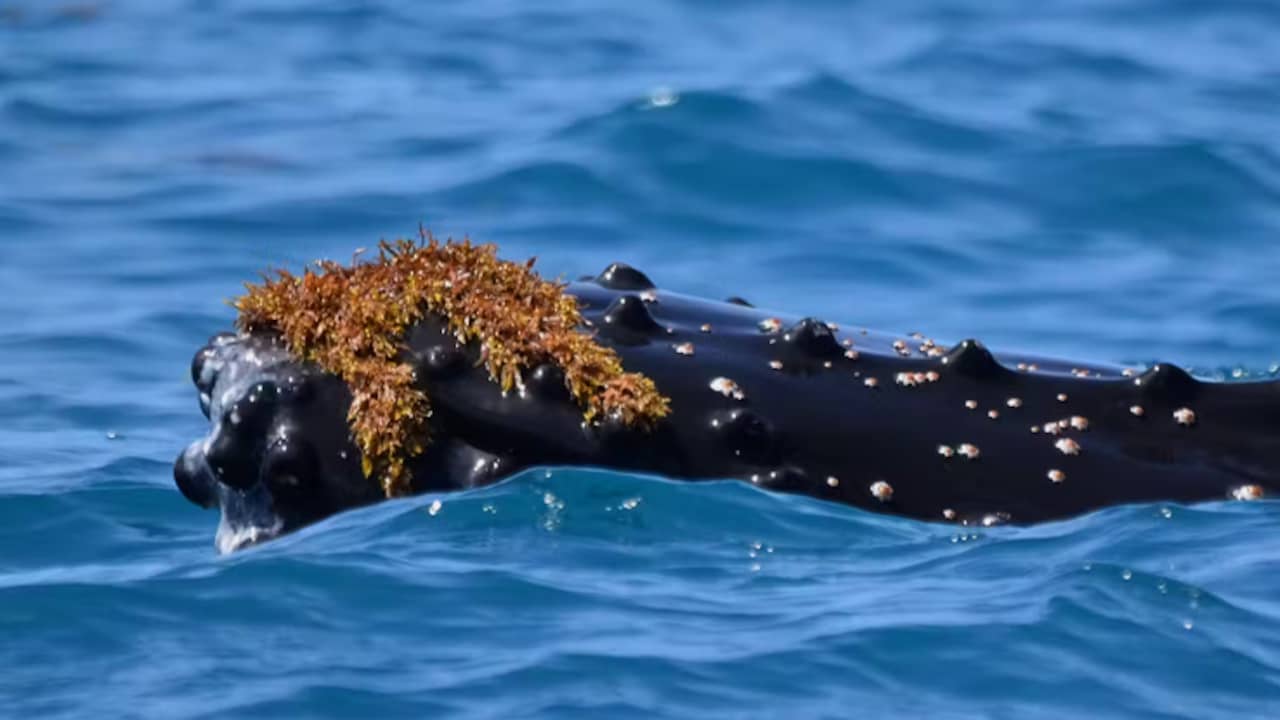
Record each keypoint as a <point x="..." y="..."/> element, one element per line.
<point x="625" y="579"/>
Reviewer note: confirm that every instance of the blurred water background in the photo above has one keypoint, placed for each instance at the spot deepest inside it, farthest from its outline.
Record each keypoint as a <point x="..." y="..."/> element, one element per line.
<point x="1097" y="179"/>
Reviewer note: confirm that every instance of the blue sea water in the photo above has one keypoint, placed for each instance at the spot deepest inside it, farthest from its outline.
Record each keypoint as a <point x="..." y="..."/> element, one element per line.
<point x="1096" y="179"/>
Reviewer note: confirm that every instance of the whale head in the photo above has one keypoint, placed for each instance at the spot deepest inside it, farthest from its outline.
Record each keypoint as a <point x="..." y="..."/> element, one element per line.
<point x="277" y="456"/>
<point x="279" y="453"/>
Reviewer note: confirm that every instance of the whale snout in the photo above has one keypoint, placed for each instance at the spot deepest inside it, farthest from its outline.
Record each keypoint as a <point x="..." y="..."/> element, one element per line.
<point x="278" y="454"/>
<point x="248" y="514"/>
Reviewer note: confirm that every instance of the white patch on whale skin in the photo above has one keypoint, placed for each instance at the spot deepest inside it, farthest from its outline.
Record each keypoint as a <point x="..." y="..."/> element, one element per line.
<point x="228" y="539"/>
<point x="238" y="368"/>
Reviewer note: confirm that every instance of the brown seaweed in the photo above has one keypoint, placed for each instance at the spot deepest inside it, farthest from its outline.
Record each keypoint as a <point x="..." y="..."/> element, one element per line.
<point x="352" y="321"/>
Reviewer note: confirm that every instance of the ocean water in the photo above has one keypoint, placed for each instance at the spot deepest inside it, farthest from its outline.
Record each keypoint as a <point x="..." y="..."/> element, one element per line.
<point x="1095" y="179"/>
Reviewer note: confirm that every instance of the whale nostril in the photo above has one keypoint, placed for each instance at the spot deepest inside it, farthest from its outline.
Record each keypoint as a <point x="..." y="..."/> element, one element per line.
<point x="192" y="483"/>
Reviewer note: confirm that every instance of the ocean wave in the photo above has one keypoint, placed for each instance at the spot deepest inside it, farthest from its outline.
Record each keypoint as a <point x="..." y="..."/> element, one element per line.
<point x="569" y="578"/>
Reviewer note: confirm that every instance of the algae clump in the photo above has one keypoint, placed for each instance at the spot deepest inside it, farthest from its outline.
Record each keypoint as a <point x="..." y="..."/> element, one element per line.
<point x="351" y="320"/>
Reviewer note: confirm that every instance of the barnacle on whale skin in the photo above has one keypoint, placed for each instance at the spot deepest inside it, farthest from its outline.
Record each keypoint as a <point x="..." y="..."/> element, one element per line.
<point x="352" y="320"/>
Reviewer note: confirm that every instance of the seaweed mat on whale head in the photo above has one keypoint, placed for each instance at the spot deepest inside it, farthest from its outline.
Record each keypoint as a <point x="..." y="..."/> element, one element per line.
<point x="352" y="321"/>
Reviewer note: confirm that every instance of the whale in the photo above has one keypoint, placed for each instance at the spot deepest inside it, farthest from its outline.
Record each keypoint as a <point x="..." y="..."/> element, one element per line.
<point x="886" y="422"/>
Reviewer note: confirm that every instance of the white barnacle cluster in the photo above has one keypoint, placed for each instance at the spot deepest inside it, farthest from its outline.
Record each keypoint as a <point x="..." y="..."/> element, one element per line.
<point x="914" y="379"/>
<point x="1066" y="432"/>
<point x="966" y="450"/>
<point x="1070" y="446"/>
<point x="727" y="388"/>
<point x="881" y="491"/>
<point x="930" y="348"/>
<point x="1247" y="493"/>
<point x="1067" y="446"/>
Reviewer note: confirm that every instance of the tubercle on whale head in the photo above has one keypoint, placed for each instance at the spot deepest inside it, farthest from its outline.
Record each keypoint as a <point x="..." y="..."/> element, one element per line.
<point x="971" y="358"/>
<point x="352" y="320"/>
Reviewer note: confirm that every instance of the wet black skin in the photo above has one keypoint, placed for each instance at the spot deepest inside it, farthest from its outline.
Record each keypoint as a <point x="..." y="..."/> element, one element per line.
<point x="279" y="456"/>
